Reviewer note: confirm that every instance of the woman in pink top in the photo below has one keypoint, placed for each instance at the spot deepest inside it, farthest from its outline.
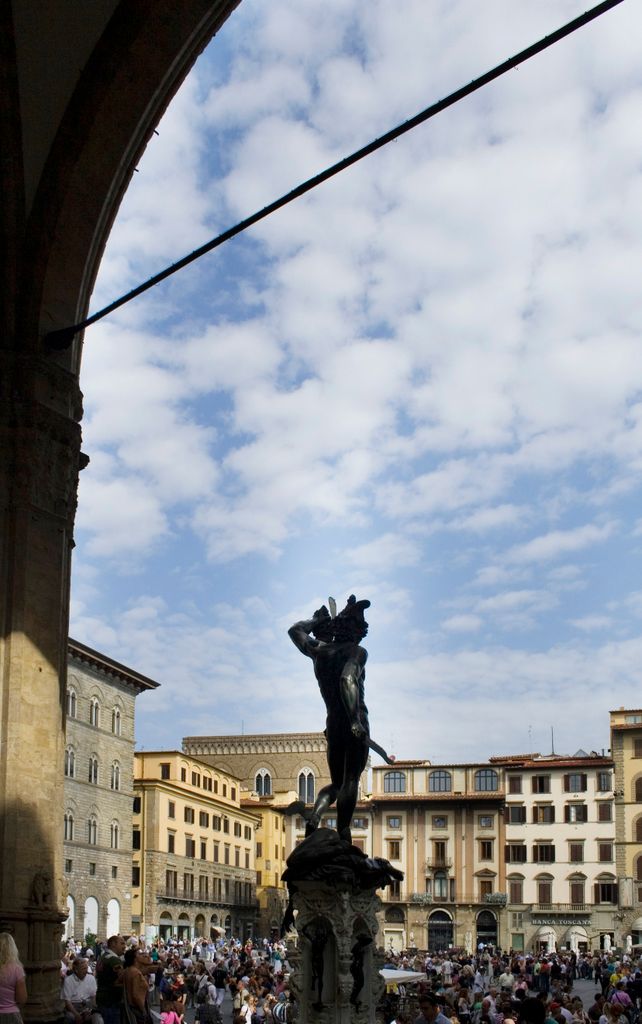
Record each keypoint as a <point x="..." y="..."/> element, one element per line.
<point x="13" y="991"/>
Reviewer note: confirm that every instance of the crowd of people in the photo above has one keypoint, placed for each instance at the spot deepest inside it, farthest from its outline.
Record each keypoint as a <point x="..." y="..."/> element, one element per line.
<point x="134" y="982"/>
<point x="517" y="988"/>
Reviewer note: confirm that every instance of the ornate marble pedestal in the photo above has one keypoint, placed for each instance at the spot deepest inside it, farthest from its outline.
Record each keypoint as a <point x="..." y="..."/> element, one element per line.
<point x="335" y="978"/>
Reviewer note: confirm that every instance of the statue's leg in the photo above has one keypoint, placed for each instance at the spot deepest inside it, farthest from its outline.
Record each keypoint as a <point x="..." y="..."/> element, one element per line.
<point x="355" y="762"/>
<point x="323" y="802"/>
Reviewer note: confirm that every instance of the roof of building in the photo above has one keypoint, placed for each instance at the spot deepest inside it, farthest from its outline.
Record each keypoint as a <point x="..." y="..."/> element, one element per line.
<point x="496" y="794"/>
<point x="80" y="652"/>
<point x="244" y="737"/>
<point x="190" y="757"/>
<point x="579" y="760"/>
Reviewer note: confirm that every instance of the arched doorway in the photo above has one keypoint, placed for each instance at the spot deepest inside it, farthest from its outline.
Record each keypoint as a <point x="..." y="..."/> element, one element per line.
<point x="90" y="923"/>
<point x="166" y="925"/>
<point x="183" y="928"/>
<point x="113" y="918"/>
<point x="70" y="923"/>
<point x="486" y="928"/>
<point x="199" y="926"/>
<point x="228" y="926"/>
<point x="440" y="930"/>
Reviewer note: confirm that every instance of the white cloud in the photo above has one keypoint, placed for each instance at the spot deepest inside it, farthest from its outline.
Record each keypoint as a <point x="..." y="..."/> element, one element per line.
<point x="559" y="542"/>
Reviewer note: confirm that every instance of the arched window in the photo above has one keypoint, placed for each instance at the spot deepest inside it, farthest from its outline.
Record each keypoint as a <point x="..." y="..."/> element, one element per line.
<point x="115" y="775"/>
<point x="92" y="830"/>
<point x="115" y="721"/>
<point x="638" y="831"/>
<point x="69" y="827"/>
<point x="94" y="712"/>
<point x="394" y="782"/>
<point x="638" y="790"/>
<point x="263" y="782"/>
<point x="440" y="885"/>
<point x="486" y="780"/>
<point x="70" y="763"/>
<point x="440" y="782"/>
<point x="93" y="769"/>
<point x="71" y="703"/>
<point x="306" y="786"/>
<point x="114" y="835"/>
<point x="638" y="869"/>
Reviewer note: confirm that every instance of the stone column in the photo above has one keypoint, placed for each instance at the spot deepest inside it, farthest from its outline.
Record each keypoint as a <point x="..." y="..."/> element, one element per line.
<point x="331" y="919"/>
<point x="40" y="408"/>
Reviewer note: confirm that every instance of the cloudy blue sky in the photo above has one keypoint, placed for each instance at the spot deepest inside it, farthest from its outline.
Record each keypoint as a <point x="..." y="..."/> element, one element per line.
<point x="422" y="383"/>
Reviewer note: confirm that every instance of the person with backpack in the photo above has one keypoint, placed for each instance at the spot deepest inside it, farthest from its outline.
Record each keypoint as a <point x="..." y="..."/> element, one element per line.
<point x="220" y="979"/>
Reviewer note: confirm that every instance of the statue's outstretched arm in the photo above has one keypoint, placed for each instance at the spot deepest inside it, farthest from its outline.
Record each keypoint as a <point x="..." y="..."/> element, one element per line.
<point x="299" y="634"/>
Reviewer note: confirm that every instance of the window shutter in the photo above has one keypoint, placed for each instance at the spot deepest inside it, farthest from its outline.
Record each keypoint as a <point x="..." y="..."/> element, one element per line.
<point x="596" y="892"/>
<point x="506" y="815"/>
<point x="552" y="854"/>
<point x="566" y="784"/>
<point x="584" y="786"/>
<point x="567" y="813"/>
<point x="507" y="856"/>
<point x="535" y="857"/>
<point x="534" y="815"/>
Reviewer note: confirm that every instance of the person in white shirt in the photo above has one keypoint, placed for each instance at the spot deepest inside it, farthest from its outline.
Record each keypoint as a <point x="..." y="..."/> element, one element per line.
<point x="79" y="994"/>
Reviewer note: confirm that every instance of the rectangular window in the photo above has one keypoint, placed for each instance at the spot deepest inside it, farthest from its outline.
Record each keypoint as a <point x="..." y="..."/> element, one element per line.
<point x="226" y="856"/>
<point x="516" y="814"/>
<point x="188" y="886"/>
<point x="171" y="842"/>
<point x="114" y="871"/>
<point x="259" y="878"/>
<point x="247" y="832"/>
<point x="136" y="807"/>
<point x="543" y="853"/>
<point x="438" y="821"/>
<point x="637" y="748"/>
<point x="171" y="809"/>
<point x="394" y="849"/>
<point x="605" y="811"/>
<point x="514" y="783"/>
<point x="392" y="821"/>
<point x="203" y="819"/>
<point x="196" y="779"/>
<point x="183" y="774"/>
<point x="237" y="857"/>
<point x="515" y="853"/>
<point x="259" y="849"/>
<point x="92" y="868"/>
<point x="485" y="887"/>
<point x="544" y="814"/>
<point x="545" y="893"/>
<point x="276" y="851"/>
<point x="516" y="891"/>
<point x="485" y="821"/>
<point x="216" y="853"/>
<point x="575" y="782"/>
<point x="360" y="823"/>
<point x="576" y="853"/>
<point x="604" y="852"/>
<point x="68" y="866"/>
<point x="136" y="875"/>
<point x="136" y="839"/>
<point x="190" y="847"/>
<point x="224" y="789"/>
<point x="575" y="813"/>
<point x="247" y="859"/>
<point x="203" y="887"/>
<point x="226" y="825"/>
<point x="237" y="829"/>
<point x="606" y="892"/>
<point x="164" y="771"/>
<point x="216" y="823"/>
<point x="541" y="783"/>
<point x="203" y="849"/>
<point x="232" y="792"/>
<point x="188" y="815"/>
<point x="577" y="894"/>
<point x="171" y="883"/>
<point x="603" y="782"/>
<point x="486" y="849"/>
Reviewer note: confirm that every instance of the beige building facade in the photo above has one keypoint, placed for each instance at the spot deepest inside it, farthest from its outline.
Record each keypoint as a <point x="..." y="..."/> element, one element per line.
<point x="626" y="749"/>
<point x="443" y="826"/>
<point x="193" y="850"/>
<point x="99" y="791"/>
<point x="560" y="851"/>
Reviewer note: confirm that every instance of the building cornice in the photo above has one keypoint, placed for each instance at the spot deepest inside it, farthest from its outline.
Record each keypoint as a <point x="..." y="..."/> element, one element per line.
<point x="81" y="653"/>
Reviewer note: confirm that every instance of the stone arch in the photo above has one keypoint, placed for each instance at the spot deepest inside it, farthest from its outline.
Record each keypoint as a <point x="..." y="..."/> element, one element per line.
<point x="636" y="789"/>
<point x="113" y="917"/>
<point x="637" y="829"/>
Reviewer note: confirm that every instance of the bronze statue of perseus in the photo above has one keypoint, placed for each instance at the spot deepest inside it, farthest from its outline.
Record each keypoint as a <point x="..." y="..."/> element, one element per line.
<point x="333" y="644"/>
